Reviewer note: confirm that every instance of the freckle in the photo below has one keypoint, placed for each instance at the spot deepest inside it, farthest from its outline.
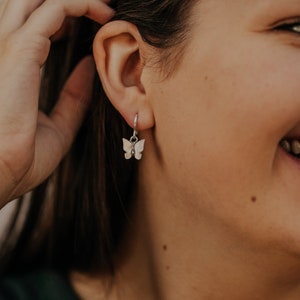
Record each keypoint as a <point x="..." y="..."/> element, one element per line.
<point x="253" y="199"/>
<point x="165" y="247"/>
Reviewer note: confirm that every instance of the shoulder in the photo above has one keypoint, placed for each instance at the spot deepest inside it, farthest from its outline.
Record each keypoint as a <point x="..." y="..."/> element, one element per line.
<point x="39" y="285"/>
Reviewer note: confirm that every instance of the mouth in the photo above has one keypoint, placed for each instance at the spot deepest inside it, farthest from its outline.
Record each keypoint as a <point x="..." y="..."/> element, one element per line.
<point x="291" y="146"/>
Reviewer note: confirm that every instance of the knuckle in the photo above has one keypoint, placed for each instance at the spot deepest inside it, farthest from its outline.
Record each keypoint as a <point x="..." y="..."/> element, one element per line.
<point x="7" y="171"/>
<point x="70" y="94"/>
<point x="11" y="45"/>
<point x="32" y="48"/>
<point x="6" y="45"/>
<point x="13" y="169"/>
<point x="57" y="4"/>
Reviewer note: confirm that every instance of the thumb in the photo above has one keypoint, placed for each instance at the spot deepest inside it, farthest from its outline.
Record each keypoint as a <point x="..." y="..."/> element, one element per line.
<point x="55" y="134"/>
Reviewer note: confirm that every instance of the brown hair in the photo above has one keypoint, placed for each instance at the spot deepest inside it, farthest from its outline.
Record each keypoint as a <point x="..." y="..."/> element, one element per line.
<point x="76" y="218"/>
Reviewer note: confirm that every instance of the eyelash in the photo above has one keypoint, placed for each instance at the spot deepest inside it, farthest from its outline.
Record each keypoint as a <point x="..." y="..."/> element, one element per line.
<point x="293" y="28"/>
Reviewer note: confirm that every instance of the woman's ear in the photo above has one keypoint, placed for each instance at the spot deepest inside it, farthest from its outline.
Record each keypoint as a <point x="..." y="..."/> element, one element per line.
<point x="119" y="52"/>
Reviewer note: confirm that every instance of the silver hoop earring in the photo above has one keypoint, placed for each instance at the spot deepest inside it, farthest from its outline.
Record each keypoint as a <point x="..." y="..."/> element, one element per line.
<point x="133" y="147"/>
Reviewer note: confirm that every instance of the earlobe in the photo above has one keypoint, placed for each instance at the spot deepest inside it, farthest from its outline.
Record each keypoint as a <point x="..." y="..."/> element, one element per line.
<point x="118" y="51"/>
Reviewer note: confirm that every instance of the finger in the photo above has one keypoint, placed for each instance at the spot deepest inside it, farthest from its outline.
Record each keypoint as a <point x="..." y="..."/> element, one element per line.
<point x="3" y="4"/>
<point x="65" y="31"/>
<point x="18" y="96"/>
<point x="55" y="135"/>
<point x="75" y="98"/>
<point x="48" y="18"/>
<point x="15" y="13"/>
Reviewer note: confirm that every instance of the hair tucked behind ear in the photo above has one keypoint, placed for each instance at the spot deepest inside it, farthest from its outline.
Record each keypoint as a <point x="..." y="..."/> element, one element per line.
<point x="75" y="220"/>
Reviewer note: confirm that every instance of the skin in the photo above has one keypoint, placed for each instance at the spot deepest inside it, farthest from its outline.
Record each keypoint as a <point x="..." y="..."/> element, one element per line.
<point x="216" y="214"/>
<point x="217" y="200"/>
<point x="32" y="144"/>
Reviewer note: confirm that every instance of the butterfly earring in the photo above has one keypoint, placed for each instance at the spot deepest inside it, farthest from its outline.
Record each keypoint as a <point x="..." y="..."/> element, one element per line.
<point x="133" y="147"/>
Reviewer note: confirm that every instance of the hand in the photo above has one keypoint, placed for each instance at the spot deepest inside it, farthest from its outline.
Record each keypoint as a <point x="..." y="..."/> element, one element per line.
<point x="31" y="143"/>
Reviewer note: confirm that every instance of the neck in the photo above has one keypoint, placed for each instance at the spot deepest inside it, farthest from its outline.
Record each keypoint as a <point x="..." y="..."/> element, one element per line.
<point x="168" y="256"/>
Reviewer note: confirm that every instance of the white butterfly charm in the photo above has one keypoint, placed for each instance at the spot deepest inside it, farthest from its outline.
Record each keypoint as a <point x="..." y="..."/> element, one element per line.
<point x="133" y="148"/>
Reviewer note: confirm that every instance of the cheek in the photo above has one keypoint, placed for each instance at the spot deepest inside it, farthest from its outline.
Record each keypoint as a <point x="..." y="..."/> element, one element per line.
<point x="221" y="117"/>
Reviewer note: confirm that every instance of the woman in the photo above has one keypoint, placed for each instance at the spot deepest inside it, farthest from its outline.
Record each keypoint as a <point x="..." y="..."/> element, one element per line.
<point x="200" y="198"/>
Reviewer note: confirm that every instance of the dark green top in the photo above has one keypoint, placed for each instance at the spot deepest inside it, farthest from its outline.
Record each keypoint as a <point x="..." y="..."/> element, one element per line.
<point x="41" y="285"/>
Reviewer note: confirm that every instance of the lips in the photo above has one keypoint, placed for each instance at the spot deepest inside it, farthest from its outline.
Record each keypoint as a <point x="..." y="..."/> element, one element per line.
<point x="291" y="146"/>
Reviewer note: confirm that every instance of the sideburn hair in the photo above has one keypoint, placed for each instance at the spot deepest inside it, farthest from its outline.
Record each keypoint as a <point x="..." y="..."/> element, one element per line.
<point x="75" y="220"/>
